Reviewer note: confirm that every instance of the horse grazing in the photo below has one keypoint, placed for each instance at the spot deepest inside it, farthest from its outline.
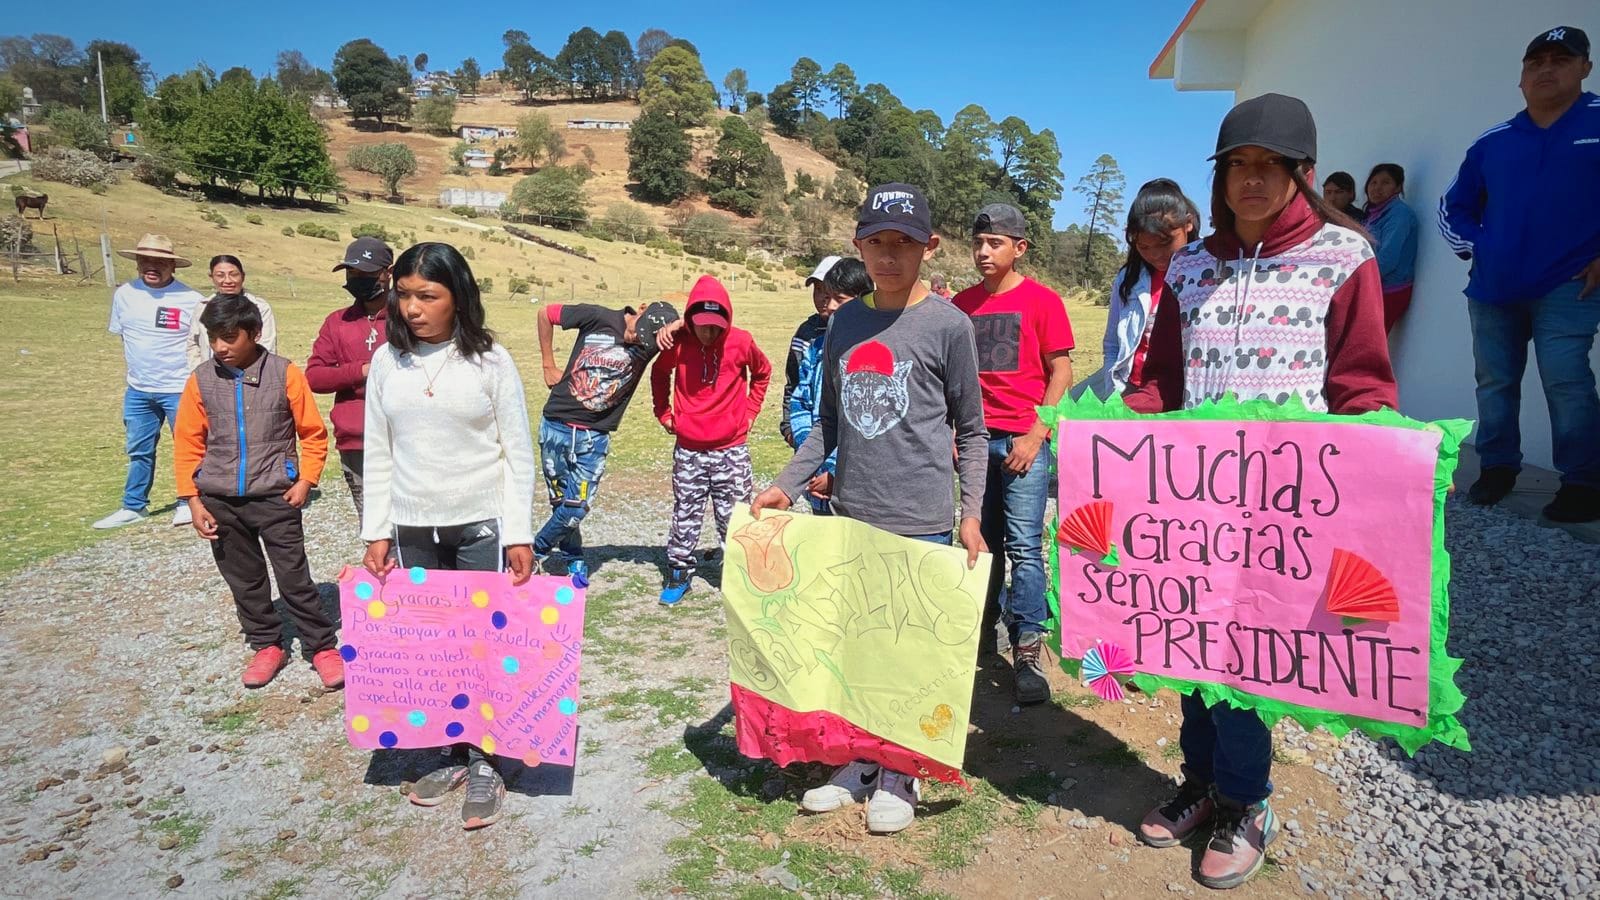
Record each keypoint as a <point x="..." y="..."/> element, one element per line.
<point x="25" y="202"/>
<point x="342" y="199"/>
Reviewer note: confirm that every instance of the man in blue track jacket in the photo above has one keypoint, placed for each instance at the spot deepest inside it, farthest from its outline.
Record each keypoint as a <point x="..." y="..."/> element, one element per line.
<point x="1525" y="208"/>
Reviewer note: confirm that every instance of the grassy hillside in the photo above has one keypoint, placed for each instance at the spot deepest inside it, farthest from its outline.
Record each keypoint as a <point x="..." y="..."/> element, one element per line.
<point x="62" y="383"/>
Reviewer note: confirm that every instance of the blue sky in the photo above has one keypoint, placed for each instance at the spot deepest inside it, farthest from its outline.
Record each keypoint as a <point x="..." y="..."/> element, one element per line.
<point x="1074" y="67"/>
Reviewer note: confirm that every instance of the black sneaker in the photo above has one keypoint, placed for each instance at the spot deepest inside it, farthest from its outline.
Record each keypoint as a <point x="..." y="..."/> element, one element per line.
<point x="1574" y="503"/>
<point x="1492" y="486"/>
<point x="1027" y="670"/>
<point x="485" y="793"/>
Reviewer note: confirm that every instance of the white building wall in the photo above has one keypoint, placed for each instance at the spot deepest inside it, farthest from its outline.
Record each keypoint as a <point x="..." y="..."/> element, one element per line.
<point x="1414" y="82"/>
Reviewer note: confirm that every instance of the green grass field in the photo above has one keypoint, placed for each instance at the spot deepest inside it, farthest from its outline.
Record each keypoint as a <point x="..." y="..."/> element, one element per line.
<point x="62" y="464"/>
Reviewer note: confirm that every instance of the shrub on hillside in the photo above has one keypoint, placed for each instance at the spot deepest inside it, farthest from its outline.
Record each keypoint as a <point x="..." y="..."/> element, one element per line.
<point x="215" y="218"/>
<point x="12" y="226"/>
<point x="254" y="219"/>
<point x="78" y="168"/>
<point x="627" y="222"/>
<point x="485" y="285"/>
<point x="155" y="171"/>
<point x="517" y="285"/>
<point x="466" y="212"/>
<point x="373" y="229"/>
<point x="312" y="229"/>
<point x="287" y="231"/>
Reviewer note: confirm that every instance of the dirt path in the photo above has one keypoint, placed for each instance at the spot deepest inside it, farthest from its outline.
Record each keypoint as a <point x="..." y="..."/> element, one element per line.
<point x="134" y="765"/>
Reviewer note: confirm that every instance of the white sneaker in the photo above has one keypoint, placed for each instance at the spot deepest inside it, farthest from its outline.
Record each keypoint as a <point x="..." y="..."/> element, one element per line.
<point x="850" y="784"/>
<point x="182" y="516"/>
<point x="120" y="518"/>
<point x="893" y="804"/>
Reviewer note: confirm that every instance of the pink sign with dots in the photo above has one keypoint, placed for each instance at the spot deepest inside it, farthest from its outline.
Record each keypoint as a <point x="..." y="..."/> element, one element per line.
<point x="433" y="658"/>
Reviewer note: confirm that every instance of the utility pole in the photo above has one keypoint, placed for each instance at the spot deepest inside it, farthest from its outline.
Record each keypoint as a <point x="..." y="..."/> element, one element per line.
<point x="100" y="63"/>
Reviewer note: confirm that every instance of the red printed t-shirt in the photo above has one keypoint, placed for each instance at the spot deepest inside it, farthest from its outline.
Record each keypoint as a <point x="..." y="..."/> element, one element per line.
<point x="1015" y="331"/>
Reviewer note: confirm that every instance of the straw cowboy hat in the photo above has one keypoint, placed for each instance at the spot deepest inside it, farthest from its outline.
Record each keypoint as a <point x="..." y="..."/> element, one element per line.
<point x="158" y="246"/>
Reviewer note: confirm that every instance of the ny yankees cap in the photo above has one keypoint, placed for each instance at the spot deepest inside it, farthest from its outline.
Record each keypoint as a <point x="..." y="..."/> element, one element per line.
<point x="1277" y="122"/>
<point x="1573" y="40"/>
<point x="895" y="207"/>
<point x="366" y="255"/>
<point x="1002" y="219"/>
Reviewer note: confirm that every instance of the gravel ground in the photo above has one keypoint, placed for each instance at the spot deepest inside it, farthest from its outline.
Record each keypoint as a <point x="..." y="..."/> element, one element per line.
<point x="1519" y="816"/>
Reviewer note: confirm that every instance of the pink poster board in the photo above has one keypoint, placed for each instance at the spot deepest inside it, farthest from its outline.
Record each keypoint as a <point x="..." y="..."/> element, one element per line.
<point x="1230" y="541"/>
<point x="433" y="658"/>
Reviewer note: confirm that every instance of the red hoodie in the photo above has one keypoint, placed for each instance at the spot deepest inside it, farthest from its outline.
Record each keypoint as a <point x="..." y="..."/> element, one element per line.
<point x="346" y="343"/>
<point x="1358" y="375"/>
<point x="708" y="395"/>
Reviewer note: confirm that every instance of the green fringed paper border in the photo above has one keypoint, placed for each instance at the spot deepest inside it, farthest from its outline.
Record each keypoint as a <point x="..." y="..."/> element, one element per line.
<point x="1444" y="697"/>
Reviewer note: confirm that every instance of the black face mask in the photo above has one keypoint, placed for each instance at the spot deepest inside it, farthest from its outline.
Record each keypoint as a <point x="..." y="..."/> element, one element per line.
<point x="364" y="288"/>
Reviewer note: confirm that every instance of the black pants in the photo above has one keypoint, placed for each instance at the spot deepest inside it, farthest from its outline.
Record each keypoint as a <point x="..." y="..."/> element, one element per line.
<point x="351" y="462"/>
<point x="246" y="525"/>
<point x="474" y="546"/>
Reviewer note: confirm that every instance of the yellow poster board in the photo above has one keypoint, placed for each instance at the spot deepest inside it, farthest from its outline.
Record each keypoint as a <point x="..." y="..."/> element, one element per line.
<point x="828" y="614"/>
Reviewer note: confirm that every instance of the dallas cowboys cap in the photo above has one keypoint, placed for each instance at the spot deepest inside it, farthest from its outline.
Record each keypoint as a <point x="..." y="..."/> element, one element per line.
<point x="1573" y="40"/>
<point x="895" y="207"/>
<point x="366" y="255"/>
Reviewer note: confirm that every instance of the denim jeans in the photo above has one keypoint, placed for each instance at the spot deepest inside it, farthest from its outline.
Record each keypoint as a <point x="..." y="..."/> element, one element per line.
<point x="142" y="415"/>
<point x="1562" y="329"/>
<point x="1013" y="522"/>
<point x="574" y="460"/>
<point x="1229" y="747"/>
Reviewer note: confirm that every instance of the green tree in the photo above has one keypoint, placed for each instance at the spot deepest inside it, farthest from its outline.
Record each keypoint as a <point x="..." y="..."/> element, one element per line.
<point x="296" y="75"/>
<point x="658" y="158"/>
<point x="126" y="77"/>
<point x="742" y="170"/>
<point x="370" y="81"/>
<point x="651" y="41"/>
<point x="390" y="162"/>
<point x="783" y="109"/>
<point x="1101" y="190"/>
<point x="77" y="129"/>
<point x="709" y="234"/>
<point x="737" y="84"/>
<point x="966" y="168"/>
<point x="582" y="62"/>
<point x="554" y="193"/>
<point x="806" y="76"/>
<point x="513" y="37"/>
<point x="841" y="84"/>
<point x="616" y="54"/>
<point x="435" y="115"/>
<point x="1086" y="260"/>
<point x="629" y="222"/>
<point x="813" y="228"/>
<point x="675" y="84"/>
<point x="1036" y="173"/>
<point x="49" y="63"/>
<point x="10" y="97"/>
<point x="468" y="76"/>
<point x="538" y="140"/>
<point x="420" y="62"/>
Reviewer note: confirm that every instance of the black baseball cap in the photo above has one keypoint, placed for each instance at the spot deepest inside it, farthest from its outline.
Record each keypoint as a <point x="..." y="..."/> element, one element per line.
<point x="1002" y="219"/>
<point x="895" y="207"/>
<point x="652" y="319"/>
<point x="1573" y="40"/>
<point x="366" y="255"/>
<point x="1274" y="121"/>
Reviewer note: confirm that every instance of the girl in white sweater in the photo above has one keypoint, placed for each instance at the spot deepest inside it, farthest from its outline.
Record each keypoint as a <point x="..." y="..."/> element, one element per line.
<point x="449" y="463"/>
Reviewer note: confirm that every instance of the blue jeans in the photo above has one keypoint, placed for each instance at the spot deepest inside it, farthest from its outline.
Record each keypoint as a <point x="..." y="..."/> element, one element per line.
<point x="142" y="415"/>
<point x="1013" y="522"/>
<point x="1562" y="329"/>
<point x="1228" y="747"/>
<point x="574" y="459"/>
<point x="942" y="537"/>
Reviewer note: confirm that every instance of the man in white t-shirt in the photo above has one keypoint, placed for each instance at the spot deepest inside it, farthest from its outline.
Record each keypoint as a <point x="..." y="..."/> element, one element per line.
<point x="152" y="314"/>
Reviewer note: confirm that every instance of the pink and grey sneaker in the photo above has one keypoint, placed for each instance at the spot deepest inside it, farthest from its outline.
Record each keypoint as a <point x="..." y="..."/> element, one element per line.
<point x="1172" y="823"/>
<point x="1239" y="839"/>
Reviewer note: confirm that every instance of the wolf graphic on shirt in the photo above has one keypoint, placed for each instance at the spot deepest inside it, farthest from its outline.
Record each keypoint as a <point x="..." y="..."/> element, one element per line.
<point x="603" y="367"/>
<point x="872" y="389"/>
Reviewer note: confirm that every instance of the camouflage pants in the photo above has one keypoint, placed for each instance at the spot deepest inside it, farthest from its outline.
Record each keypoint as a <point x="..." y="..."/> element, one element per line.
<point x="721" y="476"/>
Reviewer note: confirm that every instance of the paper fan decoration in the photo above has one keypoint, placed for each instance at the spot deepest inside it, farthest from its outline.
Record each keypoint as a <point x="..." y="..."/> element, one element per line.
<point x="1357" y="590"/>
<point x="1101" y="666"/>
<point x="1088" y="530"/>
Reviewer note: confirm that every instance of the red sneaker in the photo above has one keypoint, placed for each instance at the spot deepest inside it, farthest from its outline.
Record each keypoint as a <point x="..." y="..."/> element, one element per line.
<point x="264" y="666"/>
<point x="330" y="668"/>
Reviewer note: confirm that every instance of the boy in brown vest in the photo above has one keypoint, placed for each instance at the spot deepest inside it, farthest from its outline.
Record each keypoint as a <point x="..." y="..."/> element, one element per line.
<point x="237" y="466"/>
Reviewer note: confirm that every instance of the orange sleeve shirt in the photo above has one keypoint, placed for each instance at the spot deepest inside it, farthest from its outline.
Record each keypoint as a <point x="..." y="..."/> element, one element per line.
<point x="189" y="433"/>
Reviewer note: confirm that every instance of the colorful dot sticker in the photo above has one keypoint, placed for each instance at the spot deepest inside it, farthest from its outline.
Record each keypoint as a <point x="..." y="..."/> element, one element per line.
<point x="511" y="665"/>
<point x="549" y="615"/>
<point x="417" y="718"/>
<point x="376" y="609"/>
<point x="487" y="744"/>
<point x="388" y="739"/>
<point x="347" y="653"/>
<point x="564" y="595"/>
<point x="418" y="574"/>
<point x="552" y="650"/>
<point x="460" y="701"/>
<point x="531" y="759"/>
<point x="568" y="706"/>
<point x="486" y="711"/>
<point x="453" y="730"/>
<point x="364" y="591"/>
<point x="498" y="620"/>
<point x="480" y="599"/>
<point x="359" y="724"/>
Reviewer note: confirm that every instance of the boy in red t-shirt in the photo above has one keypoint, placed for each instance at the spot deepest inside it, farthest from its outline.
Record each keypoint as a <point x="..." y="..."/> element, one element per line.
<point x="1024" y="343"/>
<point x="707" y="389"/>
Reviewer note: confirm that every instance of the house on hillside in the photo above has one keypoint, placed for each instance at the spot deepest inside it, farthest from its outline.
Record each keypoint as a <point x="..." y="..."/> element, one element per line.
<point x="1412" y="83"/>
<point x="474" y="133"/>
<point x="483" y="201"/>
<point x="601" y="124"/>
<point x="476" y="159"/>
<point x="423" y="91"/>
